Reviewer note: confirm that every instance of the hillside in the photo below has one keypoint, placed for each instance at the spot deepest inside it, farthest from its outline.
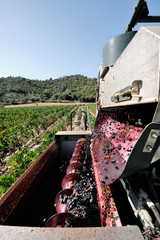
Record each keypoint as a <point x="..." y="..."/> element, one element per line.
<point x="21" y="90"/>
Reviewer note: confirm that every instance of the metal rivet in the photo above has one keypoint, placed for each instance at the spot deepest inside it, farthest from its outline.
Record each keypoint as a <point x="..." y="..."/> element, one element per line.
<point x="149" y="148"/>
<point x="154" y="135"/>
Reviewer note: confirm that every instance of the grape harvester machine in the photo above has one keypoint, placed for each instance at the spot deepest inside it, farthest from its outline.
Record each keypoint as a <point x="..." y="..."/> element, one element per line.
<point x="123" y="148"/>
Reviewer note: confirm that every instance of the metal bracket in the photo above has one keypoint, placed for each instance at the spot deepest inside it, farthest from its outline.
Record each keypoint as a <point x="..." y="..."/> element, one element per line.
<point x="123" y="95"/>
<point x="140" y="15"/>
<point x="156" y="117"/>
<point x="106" y="69"/>
<point x="144" y="150"/>
<point x="147" y="148"/>
<point x="151" y="140"/>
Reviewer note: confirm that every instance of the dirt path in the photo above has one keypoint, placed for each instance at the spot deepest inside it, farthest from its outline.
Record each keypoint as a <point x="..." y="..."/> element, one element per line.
<point x="46" y="104"/>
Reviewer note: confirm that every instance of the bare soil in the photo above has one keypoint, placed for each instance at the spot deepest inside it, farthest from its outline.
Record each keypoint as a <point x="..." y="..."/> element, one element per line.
<point x="46" y="104"/>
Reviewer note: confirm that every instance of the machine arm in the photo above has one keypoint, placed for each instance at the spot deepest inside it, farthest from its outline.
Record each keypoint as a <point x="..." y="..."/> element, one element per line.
<point x="140" y="15"/>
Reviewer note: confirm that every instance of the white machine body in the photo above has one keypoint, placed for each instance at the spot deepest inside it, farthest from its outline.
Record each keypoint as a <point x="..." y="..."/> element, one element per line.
<point x="135" y="76"/>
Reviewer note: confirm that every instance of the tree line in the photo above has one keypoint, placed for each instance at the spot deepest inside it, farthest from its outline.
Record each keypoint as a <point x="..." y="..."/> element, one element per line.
<point x="77" y="87"/>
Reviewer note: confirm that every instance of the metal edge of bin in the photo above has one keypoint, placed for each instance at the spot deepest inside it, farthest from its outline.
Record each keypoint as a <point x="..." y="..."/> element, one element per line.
<point x="26" y="183"/>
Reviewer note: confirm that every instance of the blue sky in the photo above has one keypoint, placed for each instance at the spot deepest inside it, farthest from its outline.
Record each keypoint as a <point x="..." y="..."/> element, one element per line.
<point x="42" y="39"/>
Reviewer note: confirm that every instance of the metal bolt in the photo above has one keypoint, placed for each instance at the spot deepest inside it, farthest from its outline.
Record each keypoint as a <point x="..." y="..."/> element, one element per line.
<point x="149" y="148"/>
<point x="154" y="135"/>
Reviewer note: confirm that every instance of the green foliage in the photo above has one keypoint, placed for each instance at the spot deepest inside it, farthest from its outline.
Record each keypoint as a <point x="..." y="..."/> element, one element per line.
<point x="92" y="107"/>
<point x="5" y="182"/>
<point x="19" y="125"/>
<point x="75" y="87"/>
<point x="37" y="116"/>
<point x="93" y="119"/>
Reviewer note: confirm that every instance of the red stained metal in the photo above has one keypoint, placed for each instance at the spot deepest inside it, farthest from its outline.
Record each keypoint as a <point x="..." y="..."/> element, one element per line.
<point x="60" y="200"/>
<point x="74" y="168"/>
<point x="77" y="158"/>
<point x="81" y="140"/>
<point x="111" y="145"/>
<point x="79" y="147"/>
<point x="108" y="211"/>
<point x="70" y="179"/>
<point x="79" y="150"/>
<point x="59" y="220"/>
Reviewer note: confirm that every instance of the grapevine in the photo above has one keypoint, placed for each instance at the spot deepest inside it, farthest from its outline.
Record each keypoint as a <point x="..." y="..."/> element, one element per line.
<point x="29" y="128"/>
